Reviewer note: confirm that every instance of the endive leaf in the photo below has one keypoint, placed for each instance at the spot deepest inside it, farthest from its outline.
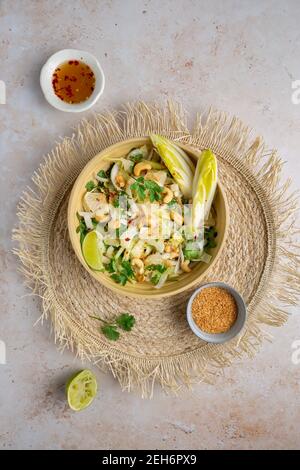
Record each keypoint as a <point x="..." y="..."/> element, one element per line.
<point x="204" y="188"/>
<point x="177" y="161"/>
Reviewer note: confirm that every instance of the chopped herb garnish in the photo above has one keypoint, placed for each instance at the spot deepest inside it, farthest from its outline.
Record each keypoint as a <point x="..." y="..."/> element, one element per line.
<point x="155" y="279"/>
<point x="155" y="191"/>
<point x="111" y="267"/>
<point x="102" y="174"/>
<point x="156" y="267"/>
<point x="121" y="274"/>
<point x="127" y="269"/>
<point x="90" y="185"/>
<point x="136" y="156"/>
<point x="119" y="278"/>
<point x="172" y="202"/>
<point x="82" y="228"/>
<point x="139" y="188"/>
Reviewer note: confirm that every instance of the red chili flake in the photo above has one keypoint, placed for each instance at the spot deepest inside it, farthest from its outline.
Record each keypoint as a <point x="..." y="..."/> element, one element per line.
<point x="70" y="62"/>
<point x="127" y="239"/>
<point x="129" y="221"/>
<point x="92" y="88"/>
<point x="69" y="91"/>
<point x="76" y="62"/>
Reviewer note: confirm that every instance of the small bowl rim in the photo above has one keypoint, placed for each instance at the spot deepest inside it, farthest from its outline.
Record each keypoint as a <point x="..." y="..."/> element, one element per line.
<point x="218" y="338"/>
<point x="46" y="79"/>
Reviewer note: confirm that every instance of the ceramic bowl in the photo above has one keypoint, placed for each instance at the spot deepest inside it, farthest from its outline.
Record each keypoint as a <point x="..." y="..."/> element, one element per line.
<point x="60" y="57"/>
<point x="236" y="327"/>
<point x="146" y="290"/>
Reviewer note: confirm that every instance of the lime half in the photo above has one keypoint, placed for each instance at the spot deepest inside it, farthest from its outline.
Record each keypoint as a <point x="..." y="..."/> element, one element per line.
<point x="81" y="390"/>
<point x="92" y="252"/>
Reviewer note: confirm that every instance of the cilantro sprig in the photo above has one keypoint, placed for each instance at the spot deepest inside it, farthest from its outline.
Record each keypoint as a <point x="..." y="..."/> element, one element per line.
<point x="140" y="186"/>
<point x="157" y="270"/>
<point x="82" y="228"/>
<point x="156" y="267"/>
<point x="124" y="321"/>
<point x="120" y="273"/>
<point x="136" y="156"/>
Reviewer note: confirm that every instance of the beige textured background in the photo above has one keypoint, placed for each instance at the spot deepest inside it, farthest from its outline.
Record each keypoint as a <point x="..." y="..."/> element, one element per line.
<point x="240" y="56"/>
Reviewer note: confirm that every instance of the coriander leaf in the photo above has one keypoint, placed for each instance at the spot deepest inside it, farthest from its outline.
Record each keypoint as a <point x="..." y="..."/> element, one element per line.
<point x="155" y="279"/>
<point x="90" y="185"/>
<point x="110" y="332"/>
<point x="172" y="202"/>
<point x="149" y="184"/>
<point x="116" y="202"/>
<point x="102" y="174"/>
<point x="120" y="278"/>
<point x="127" y="269"/>
<point x="111" y="267"/>
<point x="155" y="191"/>
<point x="136" y="156"/>
<point x="125" y="321"/>
<point x="82" y="229"/>
<point x="140" y="180"/>
<point x="139" y="188"/>
<point x="156" y="267"/>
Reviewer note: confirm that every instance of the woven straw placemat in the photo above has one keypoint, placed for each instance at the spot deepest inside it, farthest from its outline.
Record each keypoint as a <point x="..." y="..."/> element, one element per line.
<point x="260" y="257"/>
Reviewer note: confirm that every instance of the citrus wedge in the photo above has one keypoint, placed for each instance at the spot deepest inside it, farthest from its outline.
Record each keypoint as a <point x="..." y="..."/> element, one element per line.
<point x="81" y="390"/>
<point x="92" y="251"/>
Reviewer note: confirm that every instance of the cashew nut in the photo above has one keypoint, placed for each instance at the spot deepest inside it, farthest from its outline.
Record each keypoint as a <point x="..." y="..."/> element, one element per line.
<point x="185" y="266"/>
<point x="138" y="263"/>
<point x="141" y="166"/>
<point x="169" y="263"/>
<point x="114" y="224"/>
<point x="168" y="193"/>
<point x="178" y="219"/>
<point x="168" y="248"/>
<point x="101" y="198"/>
<point x="120" y="181"/>
<point x="103" y="218"/>
<point x="174" y="254"/>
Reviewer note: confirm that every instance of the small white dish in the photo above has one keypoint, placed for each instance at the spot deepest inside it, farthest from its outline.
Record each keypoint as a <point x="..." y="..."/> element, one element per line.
<point x="57" y="59"/>
<point x="236" y="327"/>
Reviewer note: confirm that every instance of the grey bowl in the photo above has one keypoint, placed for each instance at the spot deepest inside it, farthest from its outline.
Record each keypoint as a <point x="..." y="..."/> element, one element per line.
<point x="236" y="327"/>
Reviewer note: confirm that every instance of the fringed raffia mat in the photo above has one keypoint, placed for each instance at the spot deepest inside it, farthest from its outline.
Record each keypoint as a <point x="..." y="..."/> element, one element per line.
<point x="260" y="258"/>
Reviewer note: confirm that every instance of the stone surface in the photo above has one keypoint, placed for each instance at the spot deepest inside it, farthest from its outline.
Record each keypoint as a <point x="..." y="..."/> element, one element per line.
<point x="241" y="57"/>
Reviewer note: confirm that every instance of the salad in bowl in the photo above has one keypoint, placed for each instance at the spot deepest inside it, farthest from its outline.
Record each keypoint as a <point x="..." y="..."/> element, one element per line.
<point x="147" y="215"/>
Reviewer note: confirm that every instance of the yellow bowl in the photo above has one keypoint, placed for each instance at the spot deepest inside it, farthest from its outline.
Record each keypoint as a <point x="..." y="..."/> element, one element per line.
<point x="146" y="290"/>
